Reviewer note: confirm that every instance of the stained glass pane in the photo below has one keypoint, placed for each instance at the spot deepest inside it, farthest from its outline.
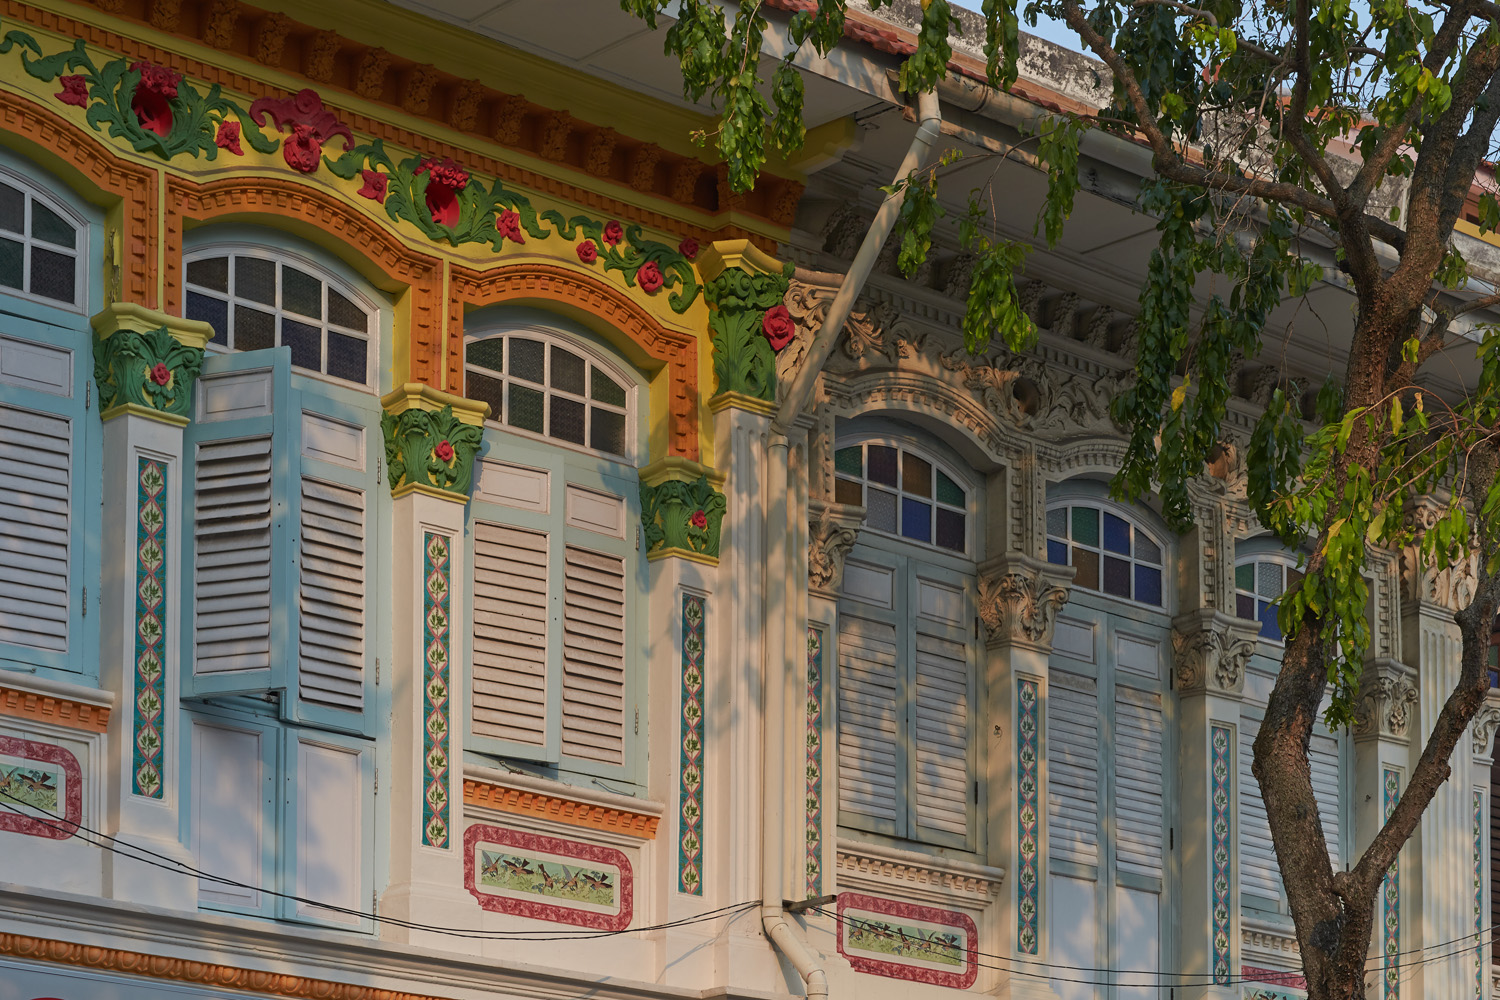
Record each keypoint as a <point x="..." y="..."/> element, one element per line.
<point x="1244" y="606"/>
<point x="343" y="312"/>
<point x="1116" y="534"/>
<point x="848" y="491"/>
<point x="568" y="371"/>
<point x="916" y="475"/>
<point x="916" y="520"/>
<point x="849" y="461"/>
<point x="1293" y="577"/>
<point x="1057" y="522"/>
<point x="882" y="462"/>
<point x="253" y="330"/>
<point x="301" y="293"/>
<point x="12" y="210"/>
<point x="1146" y="550"/>
<point x="1269" y="627"/>
<point x="1268" y="577"/>
<point x="53" y="274"/>
<point x="607" y="430"/>
<point x="567" y="420"/>
<point x="1244" y="579"/>
<point x="12" y="263"/>
<point x="525" y="408"/>
<point x="306" y="343"/>
<point x="1116" y="577"/>
<point x="487" y="354"/>
<point x="604" y="389"/>
<point x="1057" y="552"/>
<point x="487" y="390"/>
<point x="950" y="529"/>
<point x="527" y="360"/>
<point x="1148" y="585"/>
<point x="210" y="273"/>
<point x="49" y="226"/>
<point x="1087" y="561"/>
<point x="214" y="312"/>
<point x="347" y="356"/>
<point x="880" y="511"/>
<point x="255" y="279"/>
<point x="1086" y="525"/>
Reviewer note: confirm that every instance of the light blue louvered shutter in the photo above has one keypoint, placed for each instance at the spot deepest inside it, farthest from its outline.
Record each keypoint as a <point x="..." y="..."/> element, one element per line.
<point x="1073" y="768"/>
<point x="1139" y="783"/>
<point x="942" y="790"/>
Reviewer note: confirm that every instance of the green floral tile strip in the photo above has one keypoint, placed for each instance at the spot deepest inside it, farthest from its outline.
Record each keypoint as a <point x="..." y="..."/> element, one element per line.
<point x="149" y="729"/>
<point x="436" y="639"/>
<point x="690" y="806"/>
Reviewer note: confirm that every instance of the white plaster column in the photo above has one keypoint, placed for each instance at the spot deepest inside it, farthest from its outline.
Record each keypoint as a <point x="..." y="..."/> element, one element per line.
<point x="148" y="362"/>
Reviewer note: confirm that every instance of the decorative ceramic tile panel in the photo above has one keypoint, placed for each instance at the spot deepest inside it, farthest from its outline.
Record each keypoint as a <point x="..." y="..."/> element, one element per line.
<point x="149" y="731"/>
<point x="1223" y="767"/>
<point x="1391" y="896"/>
<point x="41" y="787"/>
<point x="1479" y="814"/>
<point x="548" y="878"/>
<point x="436" y="644"/>
<point x="924" y="944"/>
<point x="813" y="836"/>
<point x="1027" y="743"/>
<point x="690" y="814"/>
<point x="1280" y="982"/>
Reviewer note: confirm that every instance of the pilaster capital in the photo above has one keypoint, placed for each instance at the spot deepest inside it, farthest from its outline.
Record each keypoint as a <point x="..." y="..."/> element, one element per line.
<point x="1019" y="597"/>
<point x="745" y="286"/>
<point x="832" y="530"/>
<point x="1422" y="583"/>
<point x="1387" y="698"/>
<point x="431" y="440"/>
<point x="682" y="510"/>
<point x="145" y="362"/>
<point x="1486" y="723"/>
<point x="1210" y="651"/>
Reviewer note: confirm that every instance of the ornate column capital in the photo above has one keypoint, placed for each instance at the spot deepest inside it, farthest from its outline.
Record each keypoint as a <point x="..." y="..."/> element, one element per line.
<point x="1422" y="583"/>
<point x="1210" y="651"/>
<point x="145" y="362"/>
<point x="832" y="530"/>
<point x="1486" y="723"/>
<point x="744" y="285"/>
<point x="431" y="440"/>
<point x="682" y="510"/>
<point x="1387" y="700"/>
<point x="1019" y="597"/>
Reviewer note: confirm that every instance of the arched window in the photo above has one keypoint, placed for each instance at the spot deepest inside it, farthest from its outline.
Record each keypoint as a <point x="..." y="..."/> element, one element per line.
<point x="41" y="244"/>
<point x="257" y="298"/>
<point x="904" y="493"/>
<point x="1111" y="553"/>
<point x="543" y="385"/>
<point x="1258" y="582"/>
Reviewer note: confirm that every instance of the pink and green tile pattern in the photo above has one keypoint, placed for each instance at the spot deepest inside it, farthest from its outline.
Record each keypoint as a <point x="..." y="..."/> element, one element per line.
<point x="1479" y="935"/>
<point x="690" y="811"/>
<point x="814" y="833"/>
<point x="149" y="729"/>
<point x="436" y="643"/>
<point x="1390" y="896"/>
<point x="1223" y="767"/>
<point x="1027" y="747"/>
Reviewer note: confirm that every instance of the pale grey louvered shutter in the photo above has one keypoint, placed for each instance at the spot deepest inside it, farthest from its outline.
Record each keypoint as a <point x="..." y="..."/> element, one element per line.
<point x="941" y="743"/>
<point x="1138" y="781"/>
<point x="1323" y="755"/>
<point x="593" y="682"/>
<point x="331" y="627"/>
<point x="869" y="729"/>
<point x="36" y="523"/>
<point x="1073" y="768"/>
<point x="509" y="671"/>
<point x="1259" y="874"/>
<point x="232" y="555"/>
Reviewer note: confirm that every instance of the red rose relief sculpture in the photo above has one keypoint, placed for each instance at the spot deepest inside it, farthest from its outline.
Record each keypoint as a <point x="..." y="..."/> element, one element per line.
<point x="228" y="137"/>
<point x="587" y="252"/>
<point x="310" y="124"/>
<point x="649" y="277"/>
<point x="688" y="248"/>
<point x="779" y="327"/>
<point x="445" y="179"/>
<point x="75" y="91"/>
<point x="375" y="185"/>
<point x="152" y="102"/>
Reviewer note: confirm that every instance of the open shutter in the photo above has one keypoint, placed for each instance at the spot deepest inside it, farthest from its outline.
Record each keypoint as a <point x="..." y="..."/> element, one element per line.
<point x="1073" y="768"/>
<point x="594" y="637"/>
<point x="1323" y="755"/>
<point x="1138" y="781"/>
<point x="1259" y="874"/>
<point x="509" y="665"/>
<point x="869" y="727"/>
<point x="943" y="785"/>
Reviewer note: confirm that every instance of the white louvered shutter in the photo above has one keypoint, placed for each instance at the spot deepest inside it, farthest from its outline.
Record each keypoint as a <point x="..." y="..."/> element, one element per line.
<point x="1323" y="755"/>
<point x="868" y="726"/>
<point x="331" y="627"/>
<point x="509" y="696"/>
<point x="36" y="522"/>
<point x="1138" y="781"/>
<point x="593" y="682"/>
<point x="1073" y="768"/>
<point x="941" y="743"/>
<point x="1259" y="874"/>
<point x="232" y="555"/>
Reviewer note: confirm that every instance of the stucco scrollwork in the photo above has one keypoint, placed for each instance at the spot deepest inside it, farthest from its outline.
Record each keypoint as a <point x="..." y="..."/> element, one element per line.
<point x="833" y="528"/>
<point x="1019" y="598"/>
<point x="1486" y="724"/>
<point x="1450" y="587"/>
<point x="1210" y="651"/>
<point x="1387" y="697"/>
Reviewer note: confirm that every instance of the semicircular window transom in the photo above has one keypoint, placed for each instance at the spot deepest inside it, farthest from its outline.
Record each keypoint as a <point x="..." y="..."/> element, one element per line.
<point x="1109" y="553"/>
<point x="39" y="248"/>
<point x="903" y="493"/>
<point x="1258" y="583"/>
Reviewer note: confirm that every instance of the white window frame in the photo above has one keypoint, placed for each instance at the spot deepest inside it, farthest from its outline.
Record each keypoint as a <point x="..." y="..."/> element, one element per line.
<point x="961" y="478"/>
<point x="82" y="252"/>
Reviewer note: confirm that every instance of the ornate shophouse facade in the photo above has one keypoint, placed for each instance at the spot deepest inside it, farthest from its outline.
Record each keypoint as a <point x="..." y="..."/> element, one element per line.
<point x="391" y="527"/>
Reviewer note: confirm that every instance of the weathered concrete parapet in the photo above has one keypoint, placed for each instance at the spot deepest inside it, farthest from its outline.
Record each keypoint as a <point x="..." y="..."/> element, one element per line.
<point x="1210" y="651"/>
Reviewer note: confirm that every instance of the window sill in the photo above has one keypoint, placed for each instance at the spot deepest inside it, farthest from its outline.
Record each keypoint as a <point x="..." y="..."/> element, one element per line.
<point x="917" y="875"/>
<point x="498" y="790"/>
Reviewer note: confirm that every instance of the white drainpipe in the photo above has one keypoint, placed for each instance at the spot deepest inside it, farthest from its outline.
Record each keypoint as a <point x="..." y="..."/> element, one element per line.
<point x="778" y="582"/>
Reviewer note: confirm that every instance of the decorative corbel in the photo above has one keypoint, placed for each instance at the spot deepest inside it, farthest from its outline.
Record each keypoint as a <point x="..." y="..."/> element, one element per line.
<point x="1019" y="598"/>
<point x="1486" y="723"/>
<point x="1210" y="651"/>
<point x="1423" y="583"/>
<point x="431" y="440"/>
<point x="745" y="286"/>
<point x="145" y="362"/>
<point x="833" y="528"/>
<point x="1387" y="698"/>
<point x="682" y="510"/>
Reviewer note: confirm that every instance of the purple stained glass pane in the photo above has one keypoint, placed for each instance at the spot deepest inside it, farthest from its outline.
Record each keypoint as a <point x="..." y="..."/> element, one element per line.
<point x="882" y="463"/>
<point x="1057" y="553"/>
<point x="950" y="529"/>
<point x="1116" y="534"/>
<point x="916" y="520"/>
<point x="1116" y="577"/>
<point x="1244" y="606"/>
<point x="1147" y="584"/>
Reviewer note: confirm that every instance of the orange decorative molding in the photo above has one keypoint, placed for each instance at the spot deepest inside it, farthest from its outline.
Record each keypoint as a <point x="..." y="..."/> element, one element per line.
<point x="528" y="803"/>
<point x="553" y="285"/>
<point x="183" y="971"/>
<point x="50" y="708"/>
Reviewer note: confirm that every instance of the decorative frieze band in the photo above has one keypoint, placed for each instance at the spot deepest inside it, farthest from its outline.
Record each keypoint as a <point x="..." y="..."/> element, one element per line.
<point x="436" y="694"/>
<point x="1019" y="598"/>
<point x="150" y="720"/>
<point x="1210" y="651"/>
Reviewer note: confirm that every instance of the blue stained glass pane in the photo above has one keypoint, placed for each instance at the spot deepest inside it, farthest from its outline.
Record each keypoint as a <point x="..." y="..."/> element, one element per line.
<point x="1269" y="627"/>
<point x="1057" y="553"/>
<point x="1116" y="534"/>
<point x="916" y="520"/>
<point x="1148" y="585"/>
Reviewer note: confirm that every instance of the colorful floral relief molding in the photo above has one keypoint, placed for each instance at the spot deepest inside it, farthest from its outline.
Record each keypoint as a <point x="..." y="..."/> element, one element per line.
<point x="152" y="370"/>
<point x="41" y="786"/>
<point x="149" y="730"/>
<point x="690" y="762"/>
<point x="430" y="449"/>
<point x="683" y="517"/>
<point x="436" y="642"/>
<point x="750" y="327"/>
<point x="924" y="944"/>
<point x="548" y="878"/>
<point x="156" y="110"/>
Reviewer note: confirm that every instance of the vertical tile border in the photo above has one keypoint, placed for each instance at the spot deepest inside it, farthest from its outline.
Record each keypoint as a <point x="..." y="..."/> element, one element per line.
<point x="148" y="766"/>
<point x="814" y="832"/>
<point x="1390" y="896"/>
<point x="1027" y="744"/>
<point x="1479" y="815"/>
<point x="690" y="814"/>
<point x="436" y="646"/>
<point x="1223" y="767"/>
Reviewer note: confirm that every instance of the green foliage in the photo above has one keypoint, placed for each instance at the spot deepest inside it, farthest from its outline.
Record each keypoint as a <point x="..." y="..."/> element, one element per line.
<point x="1057" y="148"/>
<point x="919" y="213"/>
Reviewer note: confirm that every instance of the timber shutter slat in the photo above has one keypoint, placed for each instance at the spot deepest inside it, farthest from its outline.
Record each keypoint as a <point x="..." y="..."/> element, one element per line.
<point x="1138" y="781"/>
<point x="331" y="628"/>
<point x="942" y="737"/>
<point x="36" y="522"/>
<point x="869" y="731"/>
<point x="1073" y="766"/>
<point x="232" y="555"/>
<point x="593" y="680"/>
<point x="510" y="634"/>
